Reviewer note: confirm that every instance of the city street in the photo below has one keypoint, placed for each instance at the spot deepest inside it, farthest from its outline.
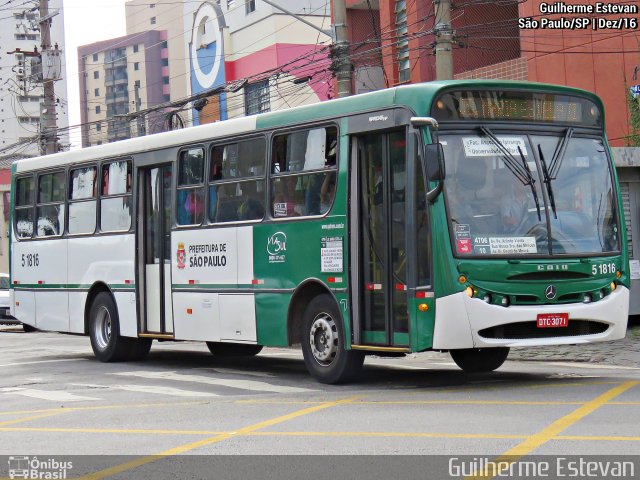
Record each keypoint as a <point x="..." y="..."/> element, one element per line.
<point x="58" y="400"/>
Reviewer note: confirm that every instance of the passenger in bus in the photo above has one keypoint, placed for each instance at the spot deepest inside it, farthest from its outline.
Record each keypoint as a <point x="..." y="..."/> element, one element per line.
<point x="252" y="208"/>
<point x="284" y="200"/>
<point x="227" y="207"/>
<point x="514" y="207"/>
<point x="327" y="192"/>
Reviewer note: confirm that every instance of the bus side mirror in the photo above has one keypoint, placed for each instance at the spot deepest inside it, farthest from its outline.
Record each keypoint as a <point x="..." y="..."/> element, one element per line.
<point x="434" y="159"/>
<point x="433" y="169"/>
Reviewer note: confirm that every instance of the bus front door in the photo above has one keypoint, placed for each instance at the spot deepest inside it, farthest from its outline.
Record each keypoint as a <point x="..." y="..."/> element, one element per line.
<point x="154" y="225"/>
<point x="380" y="180"/>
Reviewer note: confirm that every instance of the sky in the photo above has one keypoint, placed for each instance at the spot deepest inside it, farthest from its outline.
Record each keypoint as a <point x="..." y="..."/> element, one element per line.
<point x="86" y="21"/>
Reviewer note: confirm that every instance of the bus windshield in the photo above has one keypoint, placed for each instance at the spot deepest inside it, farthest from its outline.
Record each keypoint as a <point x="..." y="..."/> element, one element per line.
<point x="529" y="195"/>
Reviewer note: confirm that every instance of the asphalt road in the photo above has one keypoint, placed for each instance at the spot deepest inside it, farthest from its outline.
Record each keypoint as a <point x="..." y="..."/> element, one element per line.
<point x="58" y="400"/>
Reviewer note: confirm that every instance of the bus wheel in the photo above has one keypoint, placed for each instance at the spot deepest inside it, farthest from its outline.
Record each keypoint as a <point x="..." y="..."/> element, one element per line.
<point x="323" y="343"/>
<point x="474" y="360"/>
<point x="221" y="349"/>
<point x="104" y="330"/>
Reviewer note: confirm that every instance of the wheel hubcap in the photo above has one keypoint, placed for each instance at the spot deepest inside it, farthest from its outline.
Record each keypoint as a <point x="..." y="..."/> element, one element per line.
<point x="102" y="328"/>
<point x="323" y="339"/>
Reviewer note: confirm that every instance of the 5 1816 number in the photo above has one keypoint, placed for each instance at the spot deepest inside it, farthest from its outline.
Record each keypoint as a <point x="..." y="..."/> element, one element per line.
<point x="30" y="260"/>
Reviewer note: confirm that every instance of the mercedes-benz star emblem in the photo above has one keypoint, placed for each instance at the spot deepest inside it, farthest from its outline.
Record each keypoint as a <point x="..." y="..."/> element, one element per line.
<point x="550" y="292"/>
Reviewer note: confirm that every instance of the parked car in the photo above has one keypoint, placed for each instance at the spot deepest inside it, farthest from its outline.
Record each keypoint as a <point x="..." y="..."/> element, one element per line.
<point x="5" y="313"/>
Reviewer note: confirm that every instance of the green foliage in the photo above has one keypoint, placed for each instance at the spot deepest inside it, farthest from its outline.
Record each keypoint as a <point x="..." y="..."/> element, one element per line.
<point x="633" y="140"/>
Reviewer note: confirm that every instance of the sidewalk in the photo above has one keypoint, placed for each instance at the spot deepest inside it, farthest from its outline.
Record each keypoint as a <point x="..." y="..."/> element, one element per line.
<point x="625" y="352"/>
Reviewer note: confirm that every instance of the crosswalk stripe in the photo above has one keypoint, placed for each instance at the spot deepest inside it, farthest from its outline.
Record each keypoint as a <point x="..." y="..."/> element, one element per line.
<point x="242" y="384"/>
<point x="153" y="389"/>
<point x="53" y="395"/>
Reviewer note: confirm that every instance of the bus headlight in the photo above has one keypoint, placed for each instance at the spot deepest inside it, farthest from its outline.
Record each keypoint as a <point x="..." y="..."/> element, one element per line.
<point x="487" y="297"/>
<point x="469" y="291"/>
<point x="586" y="298"/>
<point x="504" y="302"/>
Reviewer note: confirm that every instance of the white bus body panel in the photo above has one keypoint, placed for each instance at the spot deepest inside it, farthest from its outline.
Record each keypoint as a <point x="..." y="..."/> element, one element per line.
<point x="49" y="270"/>
<point x="238" y="318"/>
<point x="214" y="259"/>
<point x="127" y="312"/>
<point x="459" y="318"/>
<point x="109" y="259"/>
<point x="25" y="306"/>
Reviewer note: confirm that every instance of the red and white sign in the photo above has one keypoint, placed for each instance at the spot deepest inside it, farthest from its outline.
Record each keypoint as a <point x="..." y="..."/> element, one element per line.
<point x="553" y="320"/>
<point x="464" y="245"/>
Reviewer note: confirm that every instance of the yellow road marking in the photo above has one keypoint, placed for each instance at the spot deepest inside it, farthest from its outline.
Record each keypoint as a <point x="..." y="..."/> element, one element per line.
<point x="215" y="439"/>
<point x="110" y="430"/>
<point x="33" y="417"/>
<point x="418" y="402"/>
<point x="504" y="386"/>
<point x="487" y="436"/>
<point x="551" y="431"/>
<point x="597" y="438"/>
<point x="106" y="407"/>
<point x="389" y="434"/>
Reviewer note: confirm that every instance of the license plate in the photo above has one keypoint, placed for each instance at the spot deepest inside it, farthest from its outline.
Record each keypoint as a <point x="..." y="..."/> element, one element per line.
<point x="553" y="320"/>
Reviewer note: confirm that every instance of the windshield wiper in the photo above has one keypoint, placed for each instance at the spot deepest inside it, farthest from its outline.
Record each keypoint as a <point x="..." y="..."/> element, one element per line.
<point x="558" y="154"/>
<point x="547" y="182"/>
<point x="531" y="182"/>
<point x="522" y="173"/>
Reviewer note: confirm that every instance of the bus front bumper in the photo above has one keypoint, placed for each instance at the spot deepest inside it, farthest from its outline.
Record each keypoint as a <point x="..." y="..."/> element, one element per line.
<point x="459" y="319"/>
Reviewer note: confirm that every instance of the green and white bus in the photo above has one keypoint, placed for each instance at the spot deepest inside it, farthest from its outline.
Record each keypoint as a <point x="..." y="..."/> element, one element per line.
<point x="460" y="216"/>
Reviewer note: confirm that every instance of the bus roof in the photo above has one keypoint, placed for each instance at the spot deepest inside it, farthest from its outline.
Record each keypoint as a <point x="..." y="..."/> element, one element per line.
<point x="419" y="96"/>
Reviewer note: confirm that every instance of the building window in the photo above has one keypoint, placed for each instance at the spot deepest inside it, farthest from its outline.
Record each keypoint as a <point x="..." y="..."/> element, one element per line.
<point x="166" y="98"/>
<point x="163" y="44"/>
<point x="95" y="57"/>
<point x="98" y="109"/>
<point x="230" y="3"/>
<point x="136" y="65"/>
<point x="256" y="97"/>
<point x="165" y="62"/>
<point x="404" y="67"/>
<point x="98" y="127"/>
<point x="165" y="80"/>
<point x="135" y="48"/>
<point x="250" y="6"/>
<point x="153" y="20"/>
<point x="96" y="74"/>
<point x="96" y="92"/>
<point x="152" y="5"/>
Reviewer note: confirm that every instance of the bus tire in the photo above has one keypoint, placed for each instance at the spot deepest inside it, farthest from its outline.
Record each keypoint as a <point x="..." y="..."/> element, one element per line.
<point x="476" y="360"/>
<point x="104" y="331"/>
<point x="322" y="342"/>
<point x="140" y="348"/>
<point x="223" y="350"/>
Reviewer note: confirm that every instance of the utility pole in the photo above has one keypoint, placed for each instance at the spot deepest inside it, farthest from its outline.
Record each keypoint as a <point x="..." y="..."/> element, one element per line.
<point x="340" y="50"/>
<point x="444" y="40"/>
<point x="142" y="130"/>
<point x="341" y="63"/>
<point x="49" y="127"/>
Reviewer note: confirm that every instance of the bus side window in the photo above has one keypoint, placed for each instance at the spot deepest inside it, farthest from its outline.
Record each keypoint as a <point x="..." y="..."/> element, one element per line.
<point x="236" y="181"/>
<point x="82" y="200"/>
<point x="24" y="198"/>
<point x="115" y="193"/>
<point x="303" y="171"/>
<point x="190" y="196"/>
<point x="50" y="205"/>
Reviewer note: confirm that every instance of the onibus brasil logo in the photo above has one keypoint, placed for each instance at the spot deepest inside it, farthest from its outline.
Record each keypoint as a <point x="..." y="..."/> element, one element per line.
<point x="35" y="468"/>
